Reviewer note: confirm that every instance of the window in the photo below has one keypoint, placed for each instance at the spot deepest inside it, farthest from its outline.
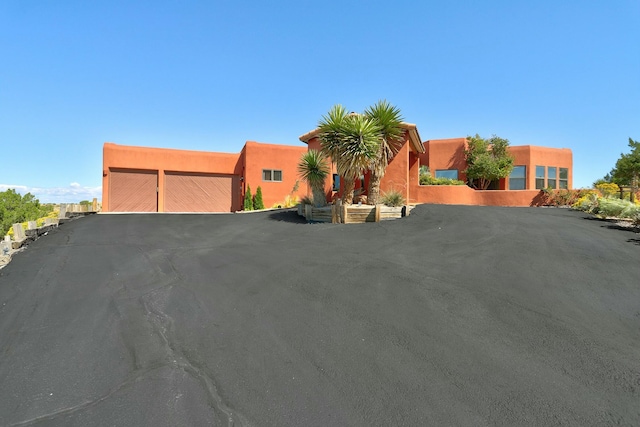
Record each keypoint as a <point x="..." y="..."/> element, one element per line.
<point x="539" y="177"/>
<point x="336" y="182"/>
<point x="564" y="178"/>
<point x="447" y="173"/>
<point x="271" y="175"/>
<point x="551" y="176"/>
<point x="517" y="179"/>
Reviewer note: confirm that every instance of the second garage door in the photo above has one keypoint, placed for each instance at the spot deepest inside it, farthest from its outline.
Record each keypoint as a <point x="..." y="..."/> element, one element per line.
<point x="195" y="192"/>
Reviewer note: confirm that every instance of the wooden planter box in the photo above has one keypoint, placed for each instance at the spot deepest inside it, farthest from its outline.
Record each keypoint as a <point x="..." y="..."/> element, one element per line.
<point x="352" y="214"/>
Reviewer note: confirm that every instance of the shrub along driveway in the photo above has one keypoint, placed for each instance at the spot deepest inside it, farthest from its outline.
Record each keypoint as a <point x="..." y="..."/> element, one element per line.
<point x="453" y="316"/>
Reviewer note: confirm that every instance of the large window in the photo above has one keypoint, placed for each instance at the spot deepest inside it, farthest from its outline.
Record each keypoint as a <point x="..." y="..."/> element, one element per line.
<point x="551" y="177"/>
<point x="564" y="178"/>
<point x="540" y="177"/>
<point x="271" y="175"/>
<point x="447" y="173"/>
<point x="517" y="179"/>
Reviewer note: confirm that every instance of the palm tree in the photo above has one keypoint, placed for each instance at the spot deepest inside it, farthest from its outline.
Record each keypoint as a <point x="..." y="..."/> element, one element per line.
<point x="389" y="120"/>
<point x="313" y="168"/>
<point x="351" y="140"/>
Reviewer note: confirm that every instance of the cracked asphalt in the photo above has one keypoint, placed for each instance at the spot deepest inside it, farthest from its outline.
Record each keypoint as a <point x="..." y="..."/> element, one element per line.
<point x="455" y="315"/>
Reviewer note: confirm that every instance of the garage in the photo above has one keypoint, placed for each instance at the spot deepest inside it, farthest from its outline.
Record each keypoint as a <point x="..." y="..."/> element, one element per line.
<point x="199" y="192"/>
<point x="132" y="190"/>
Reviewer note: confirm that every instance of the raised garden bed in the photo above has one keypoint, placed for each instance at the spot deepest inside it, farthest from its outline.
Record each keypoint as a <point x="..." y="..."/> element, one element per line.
<point x="352" y="214"/>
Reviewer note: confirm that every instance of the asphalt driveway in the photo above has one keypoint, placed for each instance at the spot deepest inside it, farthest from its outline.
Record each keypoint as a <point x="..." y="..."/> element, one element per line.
<point x="453" y="316"/>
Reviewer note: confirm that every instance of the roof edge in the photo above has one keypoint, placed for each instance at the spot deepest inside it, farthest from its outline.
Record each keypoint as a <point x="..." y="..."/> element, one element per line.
<point x="412" y="130"/>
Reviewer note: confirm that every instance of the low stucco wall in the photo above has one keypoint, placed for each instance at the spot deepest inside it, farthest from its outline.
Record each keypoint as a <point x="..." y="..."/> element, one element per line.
<point x="464" y="195"/>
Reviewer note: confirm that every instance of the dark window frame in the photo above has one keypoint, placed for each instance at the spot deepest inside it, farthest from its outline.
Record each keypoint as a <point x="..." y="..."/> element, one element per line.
<point x="521" y="180"/>
<point x="563" y="183"/>
<point x="269" y="175"/>
<point x="552" y="181"/>
<point x="540" y="178"/>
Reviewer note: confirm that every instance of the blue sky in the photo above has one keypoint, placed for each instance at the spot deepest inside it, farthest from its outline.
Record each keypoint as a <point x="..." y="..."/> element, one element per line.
<point x="210" y="75"/>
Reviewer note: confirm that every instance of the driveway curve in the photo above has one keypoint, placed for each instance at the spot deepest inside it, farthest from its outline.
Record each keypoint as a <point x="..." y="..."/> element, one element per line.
<point x="455" y="315"/>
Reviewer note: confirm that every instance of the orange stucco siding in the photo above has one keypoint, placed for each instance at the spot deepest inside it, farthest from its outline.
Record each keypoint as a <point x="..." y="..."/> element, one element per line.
<point x="449" y="154"/>
<point x="396" y="177"/>
<point x="532" y="156"/>
<point x="258" y="157"/>
<point x="244" y="167"/>
<point x="445" y="154"/>
<point x="464" y="195"/>
<point x="442" y="154"/>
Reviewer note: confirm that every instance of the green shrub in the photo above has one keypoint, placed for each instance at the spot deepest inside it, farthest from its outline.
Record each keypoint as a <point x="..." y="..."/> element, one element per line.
<point x="248" y="200"/>
<point x="426" y="179"/>
<point x="631" y="210"/>
<point x="608" y="207"/>
<point x="257" y="199"/>
<point x="612" y="207"/>
<point x="587" y="202"/>
<point x="393" y="198"/>
<point x="563" y="197"/>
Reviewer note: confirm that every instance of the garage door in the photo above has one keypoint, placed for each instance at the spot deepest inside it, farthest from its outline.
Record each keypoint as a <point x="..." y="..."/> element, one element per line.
<point x="133" y="191"/>
<point x="194" y="192"/>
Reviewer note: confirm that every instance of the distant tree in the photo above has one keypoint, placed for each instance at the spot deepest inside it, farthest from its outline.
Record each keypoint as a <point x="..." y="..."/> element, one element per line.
<point x="257" y="199"/>
<point x="15" y="208"/>
<point x="487" y="160"/>
<point x="627" y="169"/>
<point x="248" y="200"/>
<point x="84" y="203"/>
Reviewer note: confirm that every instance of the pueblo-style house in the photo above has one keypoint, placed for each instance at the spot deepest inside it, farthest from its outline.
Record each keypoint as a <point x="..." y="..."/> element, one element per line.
<point x="144" y="179"/>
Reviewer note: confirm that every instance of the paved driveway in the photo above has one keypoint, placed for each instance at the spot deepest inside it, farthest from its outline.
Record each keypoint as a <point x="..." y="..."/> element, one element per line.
<point x="452" y="316"/>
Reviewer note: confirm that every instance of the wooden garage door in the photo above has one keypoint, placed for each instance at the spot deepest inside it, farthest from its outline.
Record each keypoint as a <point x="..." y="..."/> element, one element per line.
<point x="133" y="191"/>
<point x="196" y="192"/>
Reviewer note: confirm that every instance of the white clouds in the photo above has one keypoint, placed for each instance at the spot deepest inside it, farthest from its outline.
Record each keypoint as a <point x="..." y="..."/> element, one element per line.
<point x="74" y="193"/>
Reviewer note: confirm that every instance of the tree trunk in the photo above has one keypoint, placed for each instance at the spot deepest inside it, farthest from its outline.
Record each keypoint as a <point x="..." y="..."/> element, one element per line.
<point x="373" y="195"/>
<point x="484" y="183"/>
<point x="347" y="191"/>
<point x="319" y="198"/>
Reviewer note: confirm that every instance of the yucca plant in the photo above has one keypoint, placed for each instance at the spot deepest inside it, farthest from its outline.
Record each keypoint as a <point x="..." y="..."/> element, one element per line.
<point x="393" y="198"/>
<point x="390" y="134"/>
<point x="352" y="141"/>
<point x="314" y="169"/>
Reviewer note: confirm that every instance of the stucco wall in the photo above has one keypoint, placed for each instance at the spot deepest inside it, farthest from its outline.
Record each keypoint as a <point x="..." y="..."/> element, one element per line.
<point x="449" y="154"/>
<point x="259" y="156"/>
<point x="532" y="156"/>
<point x="445" y="154"/>
<point x="464" y="195"/>
<point x="248" y="165"/>
<point x="396" y="177"/>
